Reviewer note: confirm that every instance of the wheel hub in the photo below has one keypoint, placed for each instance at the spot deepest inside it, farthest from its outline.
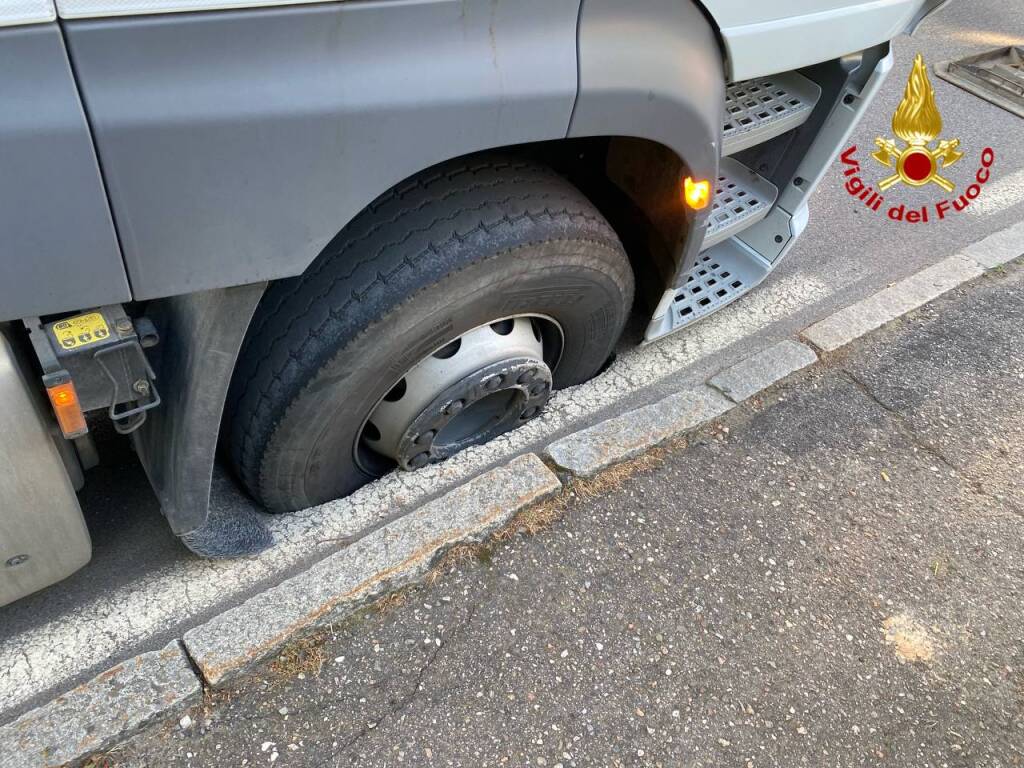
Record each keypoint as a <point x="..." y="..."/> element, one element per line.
<point x="486" y="403"/>
<point x="474" y="388"/>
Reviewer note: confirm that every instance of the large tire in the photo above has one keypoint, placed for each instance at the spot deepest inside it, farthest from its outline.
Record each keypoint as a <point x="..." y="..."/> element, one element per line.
<point x="459" y="247"/>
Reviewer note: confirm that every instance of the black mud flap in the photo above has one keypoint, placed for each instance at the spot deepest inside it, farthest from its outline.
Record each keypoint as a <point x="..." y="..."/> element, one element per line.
<point x="202" y="333"/>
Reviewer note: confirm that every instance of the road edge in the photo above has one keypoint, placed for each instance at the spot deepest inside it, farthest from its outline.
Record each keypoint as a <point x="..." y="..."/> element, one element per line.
<point x="402" y="552"/>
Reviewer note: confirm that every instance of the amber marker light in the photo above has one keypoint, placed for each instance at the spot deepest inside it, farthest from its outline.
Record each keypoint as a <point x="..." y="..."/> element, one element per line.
<point x="67" y="409"/>
<point x="697" y="194"/>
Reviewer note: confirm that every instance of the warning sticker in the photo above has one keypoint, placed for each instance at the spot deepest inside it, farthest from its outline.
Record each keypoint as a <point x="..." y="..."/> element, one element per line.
<point x="81" y="330"/>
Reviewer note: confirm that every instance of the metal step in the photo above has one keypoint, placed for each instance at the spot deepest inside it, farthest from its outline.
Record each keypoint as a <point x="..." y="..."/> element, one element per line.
<point x="717" y="276"/>
<point x="742" y="198"/>
<point x="765" y="107"/>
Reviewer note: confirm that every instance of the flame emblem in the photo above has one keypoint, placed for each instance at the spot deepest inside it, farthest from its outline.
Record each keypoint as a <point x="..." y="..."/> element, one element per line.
<point x="918" y="123"/>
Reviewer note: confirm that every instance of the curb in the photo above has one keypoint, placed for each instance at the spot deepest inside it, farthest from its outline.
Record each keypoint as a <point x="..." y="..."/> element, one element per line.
<point x="759" y="371"/>
<point x="858" y="319"/>
<point x="152" y="686"/>
<point x="383" y="561"/>
<point x="102" y="712"/>
<point x="587" y="452"/>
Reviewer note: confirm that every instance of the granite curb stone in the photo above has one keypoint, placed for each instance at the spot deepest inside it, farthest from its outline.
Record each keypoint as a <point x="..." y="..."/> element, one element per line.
<point x="587" y="452"/>
<point x="761" y="370"/>
<point x="998" y="248"/>
<point x="390" y="557"/>
<point x="101" y="712"/>
<point x="852" y="322"/>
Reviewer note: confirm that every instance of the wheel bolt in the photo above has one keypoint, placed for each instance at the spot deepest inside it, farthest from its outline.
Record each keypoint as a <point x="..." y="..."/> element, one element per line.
<point x="538" y="388"/>
<point x="454" y="407"/>
<point x="492" y="383"/>
<point x="426" y="438"/>
<point x="527" y="376"/>
<point x="419" y="460"/>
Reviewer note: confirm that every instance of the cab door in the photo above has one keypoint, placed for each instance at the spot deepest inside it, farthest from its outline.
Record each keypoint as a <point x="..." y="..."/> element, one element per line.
<point x="59" y="250"/>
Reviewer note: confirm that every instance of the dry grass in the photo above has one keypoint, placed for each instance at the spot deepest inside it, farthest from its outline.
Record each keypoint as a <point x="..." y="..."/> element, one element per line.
<point x="212" y="698"/>
<point x="452" y="558"/>
<point x="106" y="760"/>
<point x="535" y="519"/>
<point x="613" y="477"/>
<point x="391" y="600"/>
<point x="305" y="656"/>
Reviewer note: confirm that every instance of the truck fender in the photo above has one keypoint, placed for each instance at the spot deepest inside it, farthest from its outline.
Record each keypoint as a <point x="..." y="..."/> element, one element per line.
<point x="651" y="70"/>
<point x="668" y="91"/>
<point x="43" y="537"/>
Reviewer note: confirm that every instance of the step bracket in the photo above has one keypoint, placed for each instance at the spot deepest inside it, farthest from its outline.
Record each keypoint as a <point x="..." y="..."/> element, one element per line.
<point x="742" y="198"/>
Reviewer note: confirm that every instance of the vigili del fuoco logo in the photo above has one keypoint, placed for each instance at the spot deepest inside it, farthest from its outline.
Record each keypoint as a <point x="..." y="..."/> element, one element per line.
<point x="918" y="157"/>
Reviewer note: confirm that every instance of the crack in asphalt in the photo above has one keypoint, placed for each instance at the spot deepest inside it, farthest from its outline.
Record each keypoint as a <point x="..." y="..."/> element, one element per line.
<point x="401" y="704"/>
<point x="907" y="430"/>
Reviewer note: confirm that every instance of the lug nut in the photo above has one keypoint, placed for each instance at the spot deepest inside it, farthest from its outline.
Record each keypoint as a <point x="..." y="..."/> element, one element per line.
<point x="493" y="383"/>
<point x="527" y="376"/>
<point x="419" y="460"/>
<point x="426" y="438"/>
<point x="454" y="407"/>
<point x="538" y="388"/>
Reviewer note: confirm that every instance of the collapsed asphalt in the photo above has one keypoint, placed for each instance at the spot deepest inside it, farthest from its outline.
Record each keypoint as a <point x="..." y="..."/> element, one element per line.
<point x="831" y="575"/>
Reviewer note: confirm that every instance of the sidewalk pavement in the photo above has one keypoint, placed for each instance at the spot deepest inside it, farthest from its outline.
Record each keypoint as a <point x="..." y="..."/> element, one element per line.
<point x="832" y="575"/>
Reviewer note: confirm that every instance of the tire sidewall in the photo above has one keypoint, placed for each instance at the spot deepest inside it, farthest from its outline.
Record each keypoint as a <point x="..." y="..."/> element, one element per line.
<point x="582" y="285"/>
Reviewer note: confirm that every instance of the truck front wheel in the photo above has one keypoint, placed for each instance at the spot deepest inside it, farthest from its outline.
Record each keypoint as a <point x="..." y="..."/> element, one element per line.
<point x="442" y="316"/>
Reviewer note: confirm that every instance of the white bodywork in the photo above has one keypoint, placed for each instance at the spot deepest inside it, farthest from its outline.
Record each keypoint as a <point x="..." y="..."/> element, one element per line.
<point x="26" y="12"/>
<point x="763" y="37"/>
<point x="84" y="9"/>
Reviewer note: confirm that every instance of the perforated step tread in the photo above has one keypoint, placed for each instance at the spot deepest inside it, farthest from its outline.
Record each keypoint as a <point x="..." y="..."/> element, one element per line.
<point x="761" y="109"/>
<point x="742" y="198"/>
<point x="715" y="278"/>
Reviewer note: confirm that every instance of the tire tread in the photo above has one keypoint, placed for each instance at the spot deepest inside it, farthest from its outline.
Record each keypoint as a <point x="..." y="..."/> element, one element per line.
<point x="342" y="278"/>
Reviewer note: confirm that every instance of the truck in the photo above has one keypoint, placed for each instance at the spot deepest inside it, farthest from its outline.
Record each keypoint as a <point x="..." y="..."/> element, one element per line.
<point x="317" y="240"/>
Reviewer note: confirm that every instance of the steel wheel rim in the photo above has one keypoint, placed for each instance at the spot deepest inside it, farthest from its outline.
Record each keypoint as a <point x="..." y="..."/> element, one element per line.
<point x="526" y="347"/>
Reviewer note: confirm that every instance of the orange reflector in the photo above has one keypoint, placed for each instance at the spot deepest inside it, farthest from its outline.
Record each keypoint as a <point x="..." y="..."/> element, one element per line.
<point x="66" y="408"/>
<point x="697" y="194"/>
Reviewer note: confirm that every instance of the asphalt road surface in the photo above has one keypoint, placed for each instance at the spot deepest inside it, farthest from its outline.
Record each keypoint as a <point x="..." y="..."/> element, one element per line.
<point x="832" y="576"/>
<point x="143" y="587"/>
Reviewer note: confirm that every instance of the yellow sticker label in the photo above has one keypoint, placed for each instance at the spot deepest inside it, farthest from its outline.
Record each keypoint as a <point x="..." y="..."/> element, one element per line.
<point x="81" y="330"/>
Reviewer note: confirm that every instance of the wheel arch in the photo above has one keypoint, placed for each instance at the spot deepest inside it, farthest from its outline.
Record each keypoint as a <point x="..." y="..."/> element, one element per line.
<point x="642" y="116"/>
<point x="633" y="181"/>
<point x="233" y="144"/>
